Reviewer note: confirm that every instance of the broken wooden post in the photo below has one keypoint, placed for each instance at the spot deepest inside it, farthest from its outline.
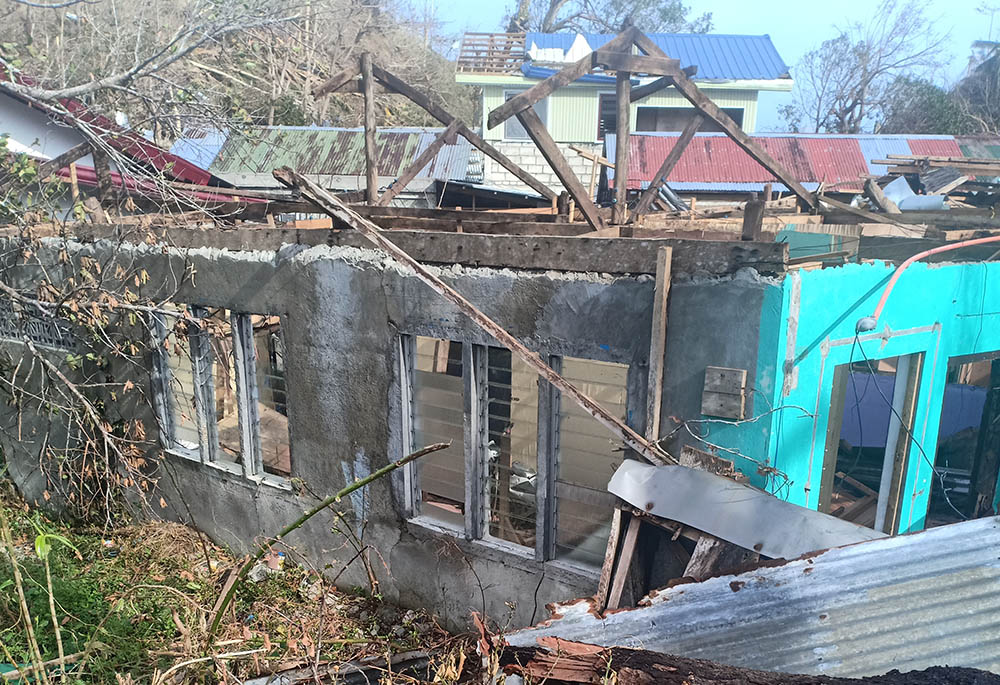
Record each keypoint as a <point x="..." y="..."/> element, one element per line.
<point x="335" y="208"/>
<point x="102" y="167"/>
<point x="623" y="84"/>
<point x="658" y="343"/>
<point x="422" y="160"/>
<point x="753" y="219"/>
<point x="397" y="85"/>
<point x="669" y="162"/>
<point x="371" y="155"/>
<point x="550" y="151"/>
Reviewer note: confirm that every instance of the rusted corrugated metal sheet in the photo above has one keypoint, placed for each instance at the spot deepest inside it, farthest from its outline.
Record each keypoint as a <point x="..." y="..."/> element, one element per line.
<point x="336" y="152"/>
<point x="907" y="602"/>
<point x="713" y="162"/>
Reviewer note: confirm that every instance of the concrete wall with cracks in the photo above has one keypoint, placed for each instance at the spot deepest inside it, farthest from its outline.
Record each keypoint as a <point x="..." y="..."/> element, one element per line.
<point x="342" y="311"/>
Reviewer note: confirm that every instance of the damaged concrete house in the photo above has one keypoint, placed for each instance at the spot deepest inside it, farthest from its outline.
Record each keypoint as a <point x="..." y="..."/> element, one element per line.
<point x="635" y="396"/>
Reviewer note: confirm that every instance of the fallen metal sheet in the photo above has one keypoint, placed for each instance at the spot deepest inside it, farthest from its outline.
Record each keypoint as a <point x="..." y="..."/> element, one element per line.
<point x="907" y="602"/>
<point x="735" y="512"/>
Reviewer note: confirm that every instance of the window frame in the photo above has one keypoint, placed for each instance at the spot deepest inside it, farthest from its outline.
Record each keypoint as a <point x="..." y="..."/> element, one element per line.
<point x="543" y="115"/>
<point x="475" y="399"/>
<point x="251" y="465"/>
<point x="602" y="95"/>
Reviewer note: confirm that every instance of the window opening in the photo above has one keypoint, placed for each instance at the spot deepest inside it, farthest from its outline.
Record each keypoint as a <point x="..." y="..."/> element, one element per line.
<point x="587" y="458"/>
<point x="438" y="415"/>
<point x="867" y="443"/>
<point x="607" y="114"/>
<point x="272" y="400"/>
<point x="512" y="401"/>
<point x="962" y="442"/>
<point x="221" y="361"/>
<point x="182" y="419"/>
<point x="512" y="129"/>
<point x="676" y="118"/>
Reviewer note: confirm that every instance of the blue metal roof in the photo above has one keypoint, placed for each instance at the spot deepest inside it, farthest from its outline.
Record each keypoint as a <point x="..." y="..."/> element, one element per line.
<point x="719" y="57"/>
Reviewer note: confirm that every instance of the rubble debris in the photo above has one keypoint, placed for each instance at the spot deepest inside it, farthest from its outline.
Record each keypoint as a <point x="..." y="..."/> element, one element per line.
<point x="561" y="661"/>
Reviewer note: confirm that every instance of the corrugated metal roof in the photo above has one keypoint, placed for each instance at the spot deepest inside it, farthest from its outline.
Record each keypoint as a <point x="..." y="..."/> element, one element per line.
<point x="979" y="147"/>
<point x="719" y="57"/>
<point x="337" y="151"/>
<point x="200" y="149"/>
<point x="907" y="602"/>
<point x="713" y="162"/>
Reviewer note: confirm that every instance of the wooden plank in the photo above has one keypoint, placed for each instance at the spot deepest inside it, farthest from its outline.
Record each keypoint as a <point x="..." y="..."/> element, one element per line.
<point x="619" y="519"/>
<point x="499" y="216"/>
<point x="658" y="343"/>
<point x="753" y="220"/>
<point x="623" y="85"/>
<point x="105" y="184"/>
<point x="422" y="160"/>
<point x="874" y="193"/>
<point x="543" y="141"/>
<point x="832" y="444"/>
<point x="624" y="563"/>
<point x="396" y="84"/>
<point x="565" y="76"/>
<point x="619" y="429"/>
<point x="693" y="94"/>
<point x="371" y="153"/>
<point x="724" y="392"/>
<point x="668" y="164"/>
<point x="337" y="81"/>
<point x="636" y="64"/>
<point x="47" y="168"/>
<point x="714" y="557"/>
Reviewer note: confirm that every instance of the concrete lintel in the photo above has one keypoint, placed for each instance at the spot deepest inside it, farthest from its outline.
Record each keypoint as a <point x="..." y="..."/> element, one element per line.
<point x="558" y="253"/>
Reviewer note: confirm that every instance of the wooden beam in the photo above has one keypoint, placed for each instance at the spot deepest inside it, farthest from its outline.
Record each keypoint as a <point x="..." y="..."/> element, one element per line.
<point x="874" y="193"/>
<point x="332" y="206"/>
<point x="658" y="344"/>
<point x="543" y="141"/>
<point x="356" y="87"/>
<point x="659" y="84"/>
<point x="565" y="76"/>
<point x="623" y="85"/>
<point x="422" y="160"/>
<point x="337" y="81"/>
<point x="396" y="84"/>
<point x="693" y="94"/>
<point x="753" y="219"/>
<point x="668" y="164"/>
<point x="619" y="519"/>
<point x="636" y="64"/>
<point x="371" y="153"/>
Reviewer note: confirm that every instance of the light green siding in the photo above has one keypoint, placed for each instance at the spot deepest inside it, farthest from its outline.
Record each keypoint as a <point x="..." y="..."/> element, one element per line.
<point x="572" y="111"/>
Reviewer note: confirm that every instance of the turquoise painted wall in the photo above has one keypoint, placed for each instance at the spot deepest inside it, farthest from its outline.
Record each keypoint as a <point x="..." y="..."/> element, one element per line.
<point x="941" y="311"/>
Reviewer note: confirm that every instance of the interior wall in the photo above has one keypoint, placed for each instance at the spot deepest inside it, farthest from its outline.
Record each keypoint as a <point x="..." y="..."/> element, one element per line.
<point x="939" y="310"/>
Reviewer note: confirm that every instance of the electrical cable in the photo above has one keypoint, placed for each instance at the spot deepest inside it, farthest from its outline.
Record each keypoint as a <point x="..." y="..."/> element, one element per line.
<point x="903" y="424"/>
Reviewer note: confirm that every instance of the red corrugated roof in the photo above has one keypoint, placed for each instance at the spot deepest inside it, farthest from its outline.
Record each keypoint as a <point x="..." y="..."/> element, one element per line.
<point x="123" y="140"/>
<point x="716" y="159"/>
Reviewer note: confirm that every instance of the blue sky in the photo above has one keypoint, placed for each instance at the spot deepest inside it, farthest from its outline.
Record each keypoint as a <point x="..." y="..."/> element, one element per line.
<point x="794" y="27"/>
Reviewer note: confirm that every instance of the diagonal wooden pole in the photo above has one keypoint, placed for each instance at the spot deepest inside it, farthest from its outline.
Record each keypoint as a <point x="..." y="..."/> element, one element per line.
<point x="335" y="208"/>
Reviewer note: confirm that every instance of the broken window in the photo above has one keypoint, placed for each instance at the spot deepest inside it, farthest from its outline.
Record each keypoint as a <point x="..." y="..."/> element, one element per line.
<point x="438" y="411"/>
<point x="968" y="414"/>
<point x="869" y="435"/>
<point x="587" y="458"/>
<point x="222" y="393"/>
<point x="512" y="413"/>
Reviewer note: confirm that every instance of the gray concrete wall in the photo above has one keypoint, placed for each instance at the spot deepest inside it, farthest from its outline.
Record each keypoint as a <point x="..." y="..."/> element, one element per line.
<point x="343" y="309"/>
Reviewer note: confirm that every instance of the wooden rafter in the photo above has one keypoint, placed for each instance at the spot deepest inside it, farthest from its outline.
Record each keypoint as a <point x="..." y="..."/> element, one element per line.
<point x="446" y="136"/>
<point x="669" y="162"/>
